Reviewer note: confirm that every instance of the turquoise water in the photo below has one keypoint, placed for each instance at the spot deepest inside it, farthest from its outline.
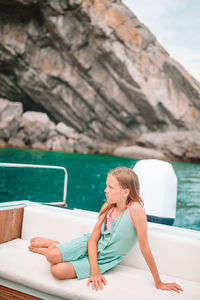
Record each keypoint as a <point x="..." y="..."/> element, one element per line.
<point x="86" y="183"/>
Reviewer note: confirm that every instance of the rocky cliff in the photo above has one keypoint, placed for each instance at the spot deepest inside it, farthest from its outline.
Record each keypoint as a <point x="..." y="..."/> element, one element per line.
<point x="96" y="79"/>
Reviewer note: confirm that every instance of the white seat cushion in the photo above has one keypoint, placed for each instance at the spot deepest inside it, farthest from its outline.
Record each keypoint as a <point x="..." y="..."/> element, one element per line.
<point x="63" y="225"/>
<point x="20" y="265"/>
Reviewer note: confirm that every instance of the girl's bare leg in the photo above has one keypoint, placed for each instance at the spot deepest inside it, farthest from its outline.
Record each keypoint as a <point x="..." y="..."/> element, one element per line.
<point x="38" y="250"/>
<point x="63" y="270"/>
<point x="41" y="245"/>
<point x="42" y="242"/>
<point x="46" y="247"/>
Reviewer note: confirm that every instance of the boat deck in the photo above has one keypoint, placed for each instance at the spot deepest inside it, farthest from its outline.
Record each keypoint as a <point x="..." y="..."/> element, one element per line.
<point x="176" y="251"/>
<point x="9" y="294"/>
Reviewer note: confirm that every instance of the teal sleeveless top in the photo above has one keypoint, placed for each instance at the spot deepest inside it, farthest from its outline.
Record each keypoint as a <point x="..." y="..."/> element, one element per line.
<point x="120" y="240"/>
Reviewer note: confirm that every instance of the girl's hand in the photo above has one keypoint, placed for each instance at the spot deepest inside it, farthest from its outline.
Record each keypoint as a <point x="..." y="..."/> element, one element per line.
<point x="169" y="287"/>
<point x="97" y="281"/>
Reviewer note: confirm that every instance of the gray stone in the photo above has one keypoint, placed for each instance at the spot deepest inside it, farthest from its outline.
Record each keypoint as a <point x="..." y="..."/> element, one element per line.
<point x="8" y="109"/>
<point x="36" y="126"/>
<point x="16" y="142"/>
<point x="65" y="130"/>
<point x="2" y="143"/>
<point x="138" y="152"/>
<point x="40" y="146"/>
<point x="60" y="143"/>
<point x="10" y="114"/>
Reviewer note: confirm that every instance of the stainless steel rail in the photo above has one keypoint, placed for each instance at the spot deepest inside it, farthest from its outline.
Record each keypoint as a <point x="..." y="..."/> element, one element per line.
<point x="11" y="165"/>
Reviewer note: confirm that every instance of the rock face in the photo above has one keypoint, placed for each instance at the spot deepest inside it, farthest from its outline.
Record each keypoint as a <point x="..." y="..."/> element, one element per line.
<point x="36" y="130"/>
<point x="184" y="145"/>
<point x="94" y="67"/>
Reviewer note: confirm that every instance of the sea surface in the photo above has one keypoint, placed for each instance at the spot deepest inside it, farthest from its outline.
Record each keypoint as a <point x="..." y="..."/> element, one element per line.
<point x="86" y="181"/>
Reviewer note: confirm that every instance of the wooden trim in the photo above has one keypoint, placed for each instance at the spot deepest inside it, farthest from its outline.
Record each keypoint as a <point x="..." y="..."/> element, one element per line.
<point x="10" y="224"/>
<point x="10" y="294"/>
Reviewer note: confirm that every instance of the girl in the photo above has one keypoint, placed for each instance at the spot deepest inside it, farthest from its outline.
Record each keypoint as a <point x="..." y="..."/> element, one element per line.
<point x="122" y="220"/>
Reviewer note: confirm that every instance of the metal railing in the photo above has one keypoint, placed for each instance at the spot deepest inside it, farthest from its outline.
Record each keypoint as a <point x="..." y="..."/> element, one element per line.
<point x="11" y="165"/>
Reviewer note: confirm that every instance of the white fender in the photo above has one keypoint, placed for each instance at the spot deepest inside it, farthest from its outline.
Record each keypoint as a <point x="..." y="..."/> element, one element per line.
<point x="158" y="189"/>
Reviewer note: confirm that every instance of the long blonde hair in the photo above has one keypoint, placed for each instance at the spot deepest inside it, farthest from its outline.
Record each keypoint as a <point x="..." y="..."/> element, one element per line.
<point x="127" y="179"/>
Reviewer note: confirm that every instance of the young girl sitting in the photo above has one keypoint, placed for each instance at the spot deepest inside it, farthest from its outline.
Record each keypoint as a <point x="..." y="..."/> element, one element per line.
<point x="122" y="220"/>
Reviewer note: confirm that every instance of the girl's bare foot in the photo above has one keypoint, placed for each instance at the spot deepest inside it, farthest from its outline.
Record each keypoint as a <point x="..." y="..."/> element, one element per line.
<point x="42" y="251"/>
<point x="40" y="242"/>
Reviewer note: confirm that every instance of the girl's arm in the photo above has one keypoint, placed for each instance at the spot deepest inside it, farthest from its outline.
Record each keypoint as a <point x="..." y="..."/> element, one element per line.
<point x="96" y="277"/>
<point x="140" y="220"/>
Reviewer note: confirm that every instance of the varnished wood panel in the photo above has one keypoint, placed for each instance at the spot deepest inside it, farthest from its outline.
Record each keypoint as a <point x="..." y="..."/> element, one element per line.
<point x="10" y="294"/>
<point x="10" y="224"/>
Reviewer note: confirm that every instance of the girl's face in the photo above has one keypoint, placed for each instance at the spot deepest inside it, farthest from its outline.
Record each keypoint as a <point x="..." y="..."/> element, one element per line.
<point x="114" y="192"/>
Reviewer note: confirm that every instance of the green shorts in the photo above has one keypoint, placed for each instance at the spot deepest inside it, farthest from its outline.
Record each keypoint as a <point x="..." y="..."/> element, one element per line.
<point x="76" y="253"/>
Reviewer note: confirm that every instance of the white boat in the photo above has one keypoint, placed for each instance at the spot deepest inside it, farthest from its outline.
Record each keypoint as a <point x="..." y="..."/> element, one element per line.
<point x="176" y="251"/>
